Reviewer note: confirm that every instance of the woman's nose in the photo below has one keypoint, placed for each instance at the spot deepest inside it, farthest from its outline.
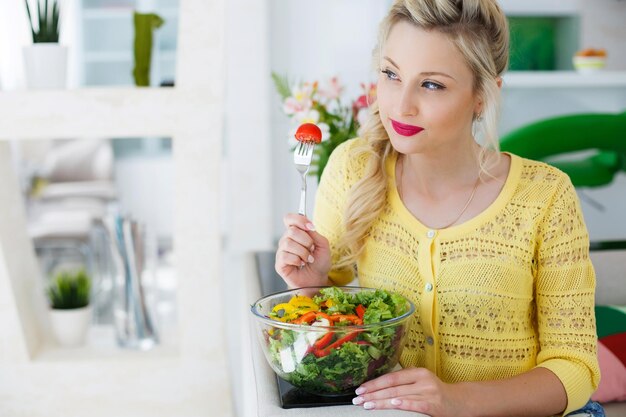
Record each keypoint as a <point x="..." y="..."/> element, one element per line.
<point x="407" y="105"/>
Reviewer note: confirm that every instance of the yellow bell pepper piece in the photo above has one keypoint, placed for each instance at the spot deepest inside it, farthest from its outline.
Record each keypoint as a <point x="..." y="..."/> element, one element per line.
<point x="287" y="307"/>
<point x="297" y="306"/>
<point x="302" y="301"/>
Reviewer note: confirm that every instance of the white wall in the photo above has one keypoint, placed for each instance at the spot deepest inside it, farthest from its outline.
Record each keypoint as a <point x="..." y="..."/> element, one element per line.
<point x="314" y="41"/>
<point x="247" y="173"/>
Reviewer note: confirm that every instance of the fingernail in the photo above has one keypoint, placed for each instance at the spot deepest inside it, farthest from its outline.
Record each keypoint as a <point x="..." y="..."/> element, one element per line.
<point x="357" y="400"/>
<point x="311" y="259"/>
<point x="360" y="390"/>
<point x="368" y="405"/>
<point x="312" y="248"/>
<point x="302" y="265"/>
<point x="396" y="401"/>
<point x="310" y="226"/>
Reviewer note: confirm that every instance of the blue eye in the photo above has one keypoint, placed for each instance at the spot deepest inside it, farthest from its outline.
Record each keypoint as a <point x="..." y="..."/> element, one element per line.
<point x="390" y="74"/>
<point x="429" y="85"/>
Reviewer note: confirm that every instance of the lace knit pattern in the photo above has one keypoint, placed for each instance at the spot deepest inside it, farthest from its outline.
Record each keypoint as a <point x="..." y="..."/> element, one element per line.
<point x="512" y="289"/>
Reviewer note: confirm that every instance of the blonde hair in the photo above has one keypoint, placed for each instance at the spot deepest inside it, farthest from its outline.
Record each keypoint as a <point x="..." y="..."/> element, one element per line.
<point x="479" y="29"/>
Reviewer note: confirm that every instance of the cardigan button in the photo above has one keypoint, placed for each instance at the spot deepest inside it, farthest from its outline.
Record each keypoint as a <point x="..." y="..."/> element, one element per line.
<point x="430" y="234"/>
<point x="430" y="341"/>
<point x="429" y="287"/>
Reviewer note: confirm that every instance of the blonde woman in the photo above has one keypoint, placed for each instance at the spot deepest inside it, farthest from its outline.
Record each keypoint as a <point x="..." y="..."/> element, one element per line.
<point x="490" y="247"/>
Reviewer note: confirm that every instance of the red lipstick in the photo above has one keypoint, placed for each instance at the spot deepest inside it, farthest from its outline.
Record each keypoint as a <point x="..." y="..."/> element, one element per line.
<point x="405" y="130"/>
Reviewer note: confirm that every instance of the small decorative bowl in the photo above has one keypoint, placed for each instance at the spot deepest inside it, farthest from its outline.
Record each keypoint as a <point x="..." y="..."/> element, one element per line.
<point x="589" y="64"/>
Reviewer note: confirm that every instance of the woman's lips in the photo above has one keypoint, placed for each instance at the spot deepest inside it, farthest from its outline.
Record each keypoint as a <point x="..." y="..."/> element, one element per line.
<point x="405" y="130"/>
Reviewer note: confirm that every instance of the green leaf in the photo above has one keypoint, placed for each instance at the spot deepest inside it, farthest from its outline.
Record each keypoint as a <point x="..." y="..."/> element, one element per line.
<point x="282" y="85"/>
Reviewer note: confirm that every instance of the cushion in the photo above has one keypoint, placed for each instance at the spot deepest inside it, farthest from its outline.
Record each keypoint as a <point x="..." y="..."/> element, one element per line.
<point x="611" y="327"/>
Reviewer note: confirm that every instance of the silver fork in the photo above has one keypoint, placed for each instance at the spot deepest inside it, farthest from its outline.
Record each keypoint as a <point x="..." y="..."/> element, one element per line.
<point x="302" y="157"/>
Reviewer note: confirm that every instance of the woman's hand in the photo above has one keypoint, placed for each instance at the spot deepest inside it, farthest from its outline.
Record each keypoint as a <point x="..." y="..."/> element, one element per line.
<point x="303" y="256"/>
<point x="412" y="389"/>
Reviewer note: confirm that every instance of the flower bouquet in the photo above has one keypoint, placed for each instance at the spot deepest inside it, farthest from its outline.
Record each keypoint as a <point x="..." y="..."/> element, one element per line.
<point x="339" y="121"/>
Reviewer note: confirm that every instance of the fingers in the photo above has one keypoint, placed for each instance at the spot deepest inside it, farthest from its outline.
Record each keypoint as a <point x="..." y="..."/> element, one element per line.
<point x="288" y="259"/>
<point x="401" y="403"/>
<point x="303" y="223"/>
<point x="389" y="392"/>
<point x="303" y="255"/>
<point x="297" y="242"/>
<point x="413" y="389"/>
<point x="392" y="379"/>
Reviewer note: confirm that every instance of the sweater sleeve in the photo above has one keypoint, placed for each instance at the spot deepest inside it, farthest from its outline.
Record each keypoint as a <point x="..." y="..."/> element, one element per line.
<point x="330" y="203"/>
<point x="565" y="288"/>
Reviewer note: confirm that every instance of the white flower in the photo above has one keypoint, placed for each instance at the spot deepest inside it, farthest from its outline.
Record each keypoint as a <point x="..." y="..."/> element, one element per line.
<point x="300" y="99"/>
<point x="292" y="106"/>
<point x="333" y="90"/>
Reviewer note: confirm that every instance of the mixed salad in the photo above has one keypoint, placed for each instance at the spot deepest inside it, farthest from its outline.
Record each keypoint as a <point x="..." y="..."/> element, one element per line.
<point x="338" y="344"/>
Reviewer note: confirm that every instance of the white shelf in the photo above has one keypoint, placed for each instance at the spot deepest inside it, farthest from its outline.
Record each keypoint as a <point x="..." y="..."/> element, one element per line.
<point x="563" y="79"/>
<point x="111" y="56"/>
<point x="124" y="13"/>
<point x="112" y="13"/>
<point x="101" y="345"/>
<point x="192" y="378"/>
<point x="539" y="7"/>
<point x="105" y="112"/>
<point x="124" y="56"/>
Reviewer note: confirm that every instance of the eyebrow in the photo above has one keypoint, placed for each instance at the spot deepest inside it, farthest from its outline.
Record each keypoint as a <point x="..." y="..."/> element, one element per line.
<point x="422" y="73"/>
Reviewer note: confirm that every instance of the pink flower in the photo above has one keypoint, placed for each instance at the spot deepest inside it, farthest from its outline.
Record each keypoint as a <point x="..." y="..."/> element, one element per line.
<point x="333" y="91"/>
<point x="360" y="105"/>
<point x="361" y="102"/>
<point x="370" y="92"/>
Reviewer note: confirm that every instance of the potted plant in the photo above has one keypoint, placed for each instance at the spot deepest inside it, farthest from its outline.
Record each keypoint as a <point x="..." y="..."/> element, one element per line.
<point x="45" y="60"/>
<point x="68" y="294"/>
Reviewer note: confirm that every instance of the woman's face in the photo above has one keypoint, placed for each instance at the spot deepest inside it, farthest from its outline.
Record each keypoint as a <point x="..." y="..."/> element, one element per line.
<point x="425" y="91"/>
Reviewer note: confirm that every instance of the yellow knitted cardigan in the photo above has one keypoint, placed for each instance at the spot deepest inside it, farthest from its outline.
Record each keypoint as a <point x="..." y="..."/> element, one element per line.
<point x="498" y="295"/>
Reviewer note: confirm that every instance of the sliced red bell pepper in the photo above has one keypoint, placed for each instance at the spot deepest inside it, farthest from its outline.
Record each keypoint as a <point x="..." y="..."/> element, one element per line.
<point x="360" y="311"/>
<point x="320" y="353"/>
<point x="346" y="317"/>
<point x="305" y="318"/>
<point x="323" y="341"/>
<point x="324" y="316"/>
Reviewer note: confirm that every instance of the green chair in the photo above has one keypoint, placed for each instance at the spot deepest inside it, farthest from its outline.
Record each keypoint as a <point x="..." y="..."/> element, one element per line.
<point x="603" y="134"/>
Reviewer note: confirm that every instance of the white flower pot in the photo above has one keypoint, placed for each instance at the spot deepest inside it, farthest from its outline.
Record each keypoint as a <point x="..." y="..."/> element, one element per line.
<point x="46" y="66"/>
<point x="70" y="326"/>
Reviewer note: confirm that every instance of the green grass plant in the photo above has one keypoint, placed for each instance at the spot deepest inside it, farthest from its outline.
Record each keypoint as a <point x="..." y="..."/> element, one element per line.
<point x="69" y="290"/>
<point x="45" y="28"/>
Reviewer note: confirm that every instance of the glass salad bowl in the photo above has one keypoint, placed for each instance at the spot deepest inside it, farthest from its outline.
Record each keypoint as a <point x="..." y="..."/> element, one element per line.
<point x="329" y="340"/>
